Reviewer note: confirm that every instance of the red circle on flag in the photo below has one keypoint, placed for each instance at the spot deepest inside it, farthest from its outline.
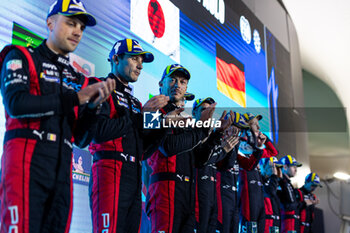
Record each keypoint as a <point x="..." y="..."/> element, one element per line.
<point x="156" y="18"/>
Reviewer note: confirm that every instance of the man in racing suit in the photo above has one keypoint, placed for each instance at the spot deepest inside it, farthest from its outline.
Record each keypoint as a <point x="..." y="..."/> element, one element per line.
<point x="171" y="194"/>
<point x="39" y="90"/>
<point x="119" y="144"/>
<point x="250" y="184"/>
<point x="290" y="206"/>
<point x="270" y="171"/>
<point x="216" y="146"/>
<point x="228" y="174"/>
<point x="312" y="181"/>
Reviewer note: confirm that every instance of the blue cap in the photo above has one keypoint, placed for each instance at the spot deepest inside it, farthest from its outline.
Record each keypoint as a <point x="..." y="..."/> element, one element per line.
<point x="71" y="8"/>
<point x="290" y="161"/>
<point x="313" y="178"/>
<point x="199" y="102"/>
<point x="239" y="120"/>
<point x="272" y="159"/>
<point x="130" y="47"/>
<point x="249" y="116"/>
<point x="189" y="96"/>
<point x="172" y="68"/>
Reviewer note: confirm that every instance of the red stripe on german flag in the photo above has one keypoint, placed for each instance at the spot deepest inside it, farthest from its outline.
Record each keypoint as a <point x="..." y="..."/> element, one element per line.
<point x="231" y="81"/>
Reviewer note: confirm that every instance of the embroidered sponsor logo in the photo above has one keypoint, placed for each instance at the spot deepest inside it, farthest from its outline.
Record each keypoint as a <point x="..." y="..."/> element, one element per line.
<point x="135" y="109"/>
<point x="14" y="81"/>
<point x="121" y="103"/>
<point x="72" y="85"/>
<point x="121" y="99"/>
<point x="128" y="91"/>
<point x="49" y="78"/>
<point x="14" y="64"/>
<point x="49" y="66"/>
<point x="39" y="134"/>
<point x="124" y="156"/>
<point x="119" y="93"/>
<point x="67" y="74"/>
<point x="51" y="73"/>
<point x="68" y="143"/>
<point x="63" y="61"/>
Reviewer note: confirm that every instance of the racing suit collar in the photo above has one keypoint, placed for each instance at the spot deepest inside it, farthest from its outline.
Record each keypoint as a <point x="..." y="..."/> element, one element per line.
<point x="60" y="59"/>
<point x="305" y="190"/>
<point x="286" y="177"/>
<point x="119" y="85"/>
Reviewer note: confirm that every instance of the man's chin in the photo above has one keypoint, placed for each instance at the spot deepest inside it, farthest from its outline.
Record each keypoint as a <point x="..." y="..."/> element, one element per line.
<point x="178" y="97"/>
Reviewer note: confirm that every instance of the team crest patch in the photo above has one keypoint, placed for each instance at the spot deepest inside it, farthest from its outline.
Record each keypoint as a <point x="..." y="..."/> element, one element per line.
<point x="14" y="64"/>
<point x="123" y="104"/>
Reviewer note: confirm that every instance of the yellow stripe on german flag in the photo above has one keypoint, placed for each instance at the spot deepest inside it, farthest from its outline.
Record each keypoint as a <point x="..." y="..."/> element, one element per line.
<point x="238" y="96"/>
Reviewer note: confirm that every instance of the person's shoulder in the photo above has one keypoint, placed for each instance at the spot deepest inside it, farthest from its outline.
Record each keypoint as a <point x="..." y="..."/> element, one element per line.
<point x="14" y="58"/>
<point x="93" y="80"/>
<point x="13" y="52"/>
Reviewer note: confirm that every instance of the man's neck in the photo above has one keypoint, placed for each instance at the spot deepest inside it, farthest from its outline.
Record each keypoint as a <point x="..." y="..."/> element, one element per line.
<point x="121" y="79"/>
<point x="54" y="49"/>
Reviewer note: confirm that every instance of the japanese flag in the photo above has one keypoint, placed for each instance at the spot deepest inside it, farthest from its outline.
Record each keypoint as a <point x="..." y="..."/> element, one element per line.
<point x="158" y="23"/>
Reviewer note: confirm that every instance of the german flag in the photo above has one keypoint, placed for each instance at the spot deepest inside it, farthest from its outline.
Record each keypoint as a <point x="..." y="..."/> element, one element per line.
<point x="230" y="76"/>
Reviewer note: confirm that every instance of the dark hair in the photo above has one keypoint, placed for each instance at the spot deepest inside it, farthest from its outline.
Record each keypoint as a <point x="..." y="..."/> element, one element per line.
<point x="120" y="56"/>
<point x="178" y="73"/>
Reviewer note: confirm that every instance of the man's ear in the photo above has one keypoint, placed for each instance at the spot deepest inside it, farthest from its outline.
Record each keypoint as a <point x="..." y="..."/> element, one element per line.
<point x="115" y="59"/>
<point x="50" y="22"/>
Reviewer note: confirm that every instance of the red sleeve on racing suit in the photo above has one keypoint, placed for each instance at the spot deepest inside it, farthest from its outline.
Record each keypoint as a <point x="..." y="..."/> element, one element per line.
<point x="250" y="162"/>
<point x="269" y="150"/>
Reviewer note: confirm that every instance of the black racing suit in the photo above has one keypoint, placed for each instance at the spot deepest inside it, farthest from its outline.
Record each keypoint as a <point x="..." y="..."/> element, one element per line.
<point x="118" y="146"/>
<point x="272" y="203"/>
<point x="171" y="193"/>
<point x="290" y="206"/>
<point x="206" y="202"/>
<point x="251" y="194"/>
<point x="39" y="93"/>
<point x="227" y="182"/>
<point x="307" y="213"/>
